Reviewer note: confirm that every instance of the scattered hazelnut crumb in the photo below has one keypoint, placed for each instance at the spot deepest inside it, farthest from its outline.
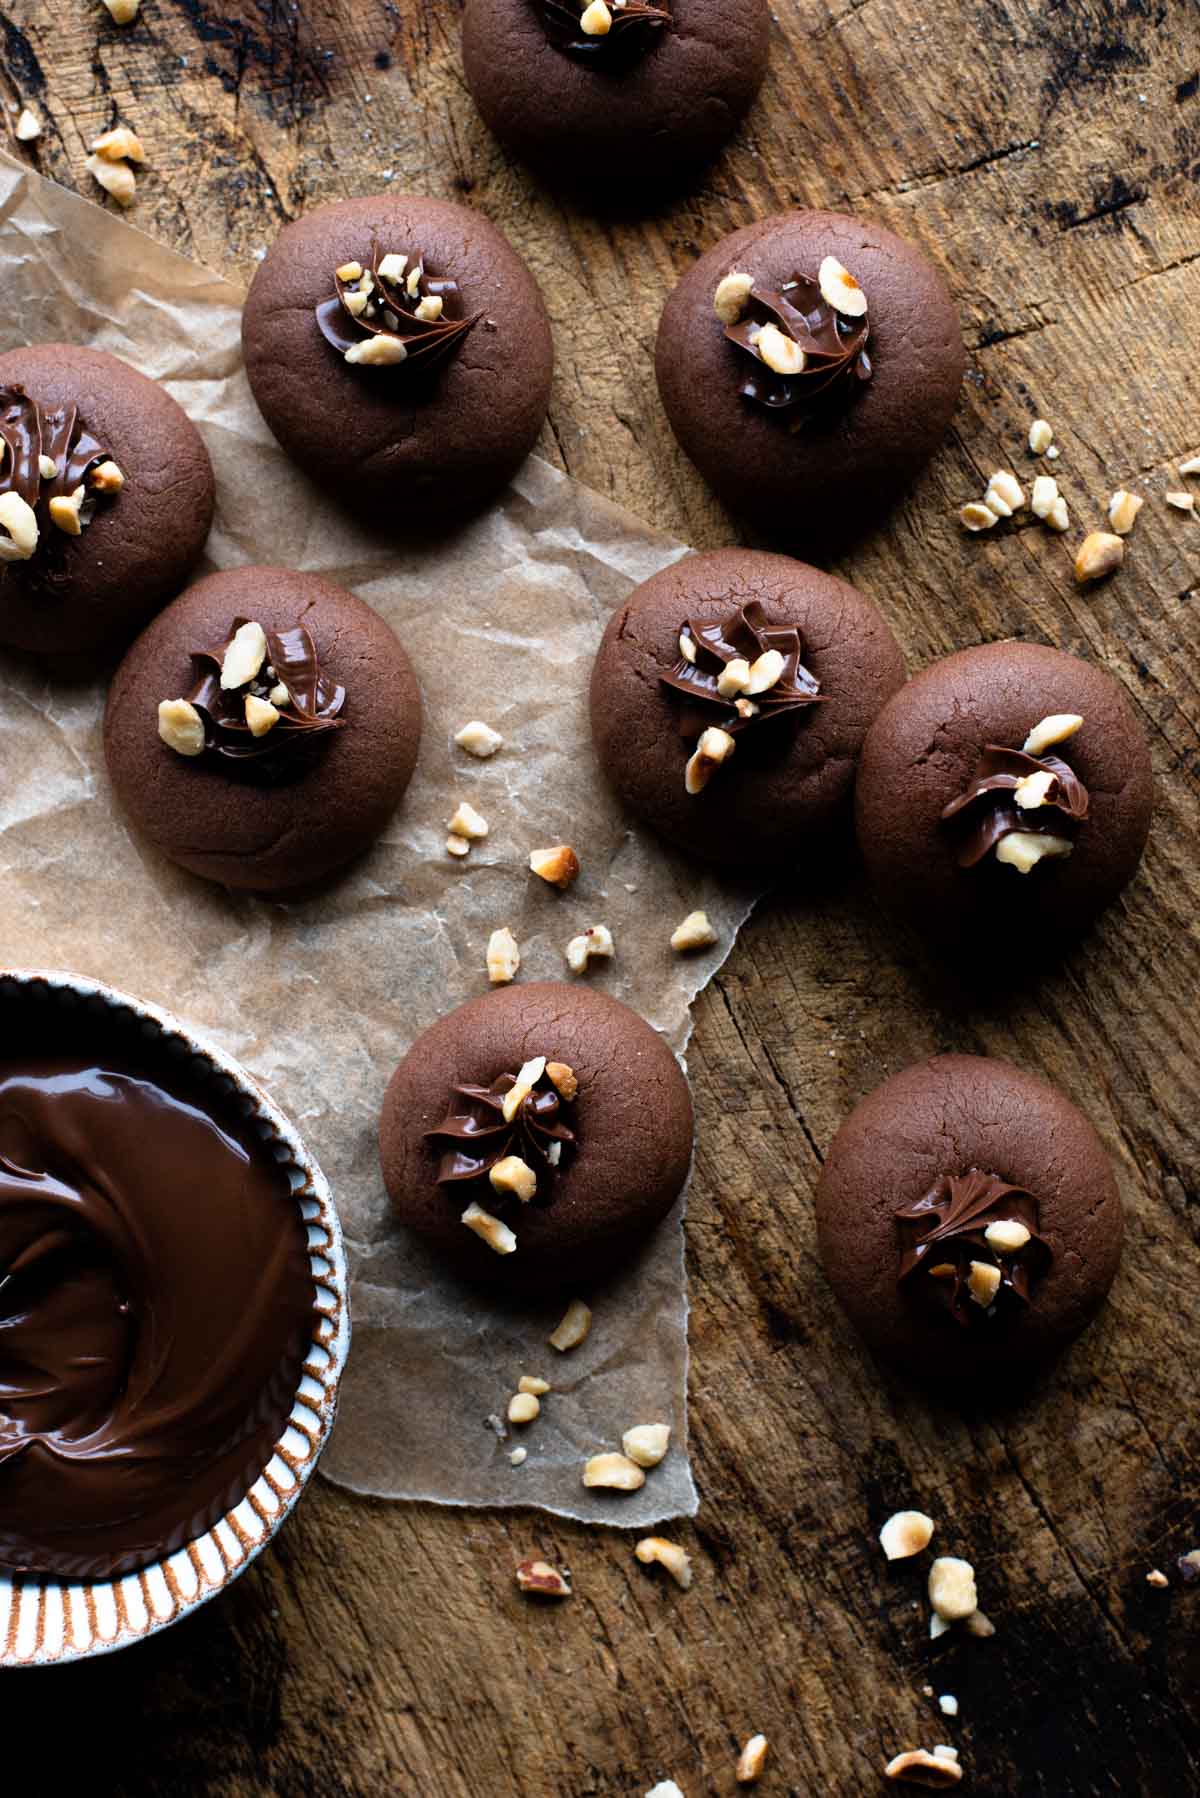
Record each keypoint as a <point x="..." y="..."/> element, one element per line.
<point x="975" y="516"/>
<point x="1098" y="555"/>
<point x="1004" y="494"/>
<point x="545" y="1581"/>
<point x="497" y="1235"/>
<point x="1058" y="518"/>
<point x="116" y="178"/>
<point x="513" y="1177"/>
<point x="119" y="145"/>
<point x="666" y="1788"/>
<point x="1157" y="1578"/>
<point x="670" y="1555"/>
<point x="1042" y="495"/>
<point x="1191" y="466"/>
<point x="123" y="12"/>
<point x="27" y="127"/>
<point x="596" y="940"/>
<point x="1041" y="436"/>
<point x="529" y="1382"/>
<point x="558" y="867"/>
<point x="616" y="1472"/>
<point x="573" y="1327"/>
<point x="948" y="1704"/>
<point x="1123" y="509"/>
<point x="468" y="823"/>
<point x="904" y="1534"/>
<point x="479" y="739"/>
<point x="1189" y="1566"/>
<point x="952" y="1588"/>
<point x="1182" y="502"/>
<point x="1052" y="453"/>
<point x="694" y="933"/>
<point x="456" y="845"/>
<point x="517" y="1457"/>
<point x="751" y="1761"/>
<point x="916" y="1766"/>
<point x="523" y="1407"/>
<point x="647" y="1443"/>
<point x="596" y="20"/>
<point x="503" y="956"/>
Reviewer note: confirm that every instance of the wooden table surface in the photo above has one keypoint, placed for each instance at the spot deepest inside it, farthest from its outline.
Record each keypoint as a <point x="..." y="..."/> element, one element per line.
<point x="1046" y="154"/>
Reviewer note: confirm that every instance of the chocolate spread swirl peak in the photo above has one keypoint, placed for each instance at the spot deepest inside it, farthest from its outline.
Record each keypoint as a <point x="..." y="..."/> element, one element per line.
<point x="605" y="34"/>
<point x="971" y="1245"/>
<point x="260" y="697"/>
<point x="53" y="471"/>
<point x="484" y="1126"/>
<point x="394" y="311"/>
<point x="1024" y="806"/>
<point x="805" y="342"/>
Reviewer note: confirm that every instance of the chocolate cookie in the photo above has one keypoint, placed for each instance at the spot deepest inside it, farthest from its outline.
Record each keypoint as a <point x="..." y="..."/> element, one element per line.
<point x="263" y="729"/>
<point x="809" y="365"/>
<point x="593" y="1154"/>
<point x="968" y="1220"/>
<point x="625" y="100"/>
<point x="1004" y="797"/>
<point x="681" y="675"/>
<point x="400" y="350"/>
<point x="106" y="497"/>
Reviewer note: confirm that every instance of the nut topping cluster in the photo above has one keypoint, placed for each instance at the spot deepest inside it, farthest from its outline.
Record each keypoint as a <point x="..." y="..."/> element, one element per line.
<point x="393" y="310"/>
<point x="259" y="694"/>
<point x="53" y="471"/>
<point x="807" y="339"/>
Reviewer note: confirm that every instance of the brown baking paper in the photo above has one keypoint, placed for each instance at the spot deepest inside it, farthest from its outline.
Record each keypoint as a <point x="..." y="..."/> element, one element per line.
<point x="320" y="997"/>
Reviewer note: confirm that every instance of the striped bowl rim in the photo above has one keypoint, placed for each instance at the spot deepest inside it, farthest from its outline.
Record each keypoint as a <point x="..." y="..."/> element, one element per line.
<point x="45" y="1621"/>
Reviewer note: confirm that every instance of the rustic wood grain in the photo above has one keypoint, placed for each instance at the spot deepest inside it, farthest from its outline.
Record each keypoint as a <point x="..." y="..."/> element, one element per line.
<point x="1046" y="153"/>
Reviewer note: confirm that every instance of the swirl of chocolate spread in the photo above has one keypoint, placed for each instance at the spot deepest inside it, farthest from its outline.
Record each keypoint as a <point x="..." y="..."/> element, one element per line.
<point x="49" y="456"/>
<point x="477" y="1135"/>
<point x="943" y="1238"/>
<point x="414" y="316"/>
<point x="744" y="636"/>
<point x="991" y="809"/>
<point x="834" y="346"/>
<point x="633" y="28"/>
<point x="313" y="703"/>
<point x="156" y="1305"/>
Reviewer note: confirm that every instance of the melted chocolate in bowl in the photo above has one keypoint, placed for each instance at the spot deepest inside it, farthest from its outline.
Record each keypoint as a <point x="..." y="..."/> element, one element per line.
<point x="156" y="1298"/>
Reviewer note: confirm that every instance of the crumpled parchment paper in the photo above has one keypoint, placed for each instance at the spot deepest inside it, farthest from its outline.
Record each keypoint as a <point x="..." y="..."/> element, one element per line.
<point x="320" y="997"/>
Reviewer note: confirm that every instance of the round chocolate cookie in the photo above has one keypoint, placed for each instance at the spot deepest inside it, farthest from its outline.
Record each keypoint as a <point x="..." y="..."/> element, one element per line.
<point x="809" y="365"/>
<point x="679" y="660"/>
<point x="625" y="112"/>
<point x="593" y="1155"/>
<point x="262" y="730"/>
<point x="946" y="767"/>
<point x="400" y="350"/>
<point x="106" y="497"/>
<point x="968" y="1220"/>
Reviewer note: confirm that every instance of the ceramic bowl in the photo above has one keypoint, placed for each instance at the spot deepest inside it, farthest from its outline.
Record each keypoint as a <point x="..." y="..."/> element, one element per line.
<point x="49" y="1621"/>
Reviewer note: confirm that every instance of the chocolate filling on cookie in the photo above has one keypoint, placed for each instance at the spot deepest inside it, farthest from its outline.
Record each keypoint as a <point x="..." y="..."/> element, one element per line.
<point x="971" y="1244"/>
<point x="605" y="33"/>
<point x="1025" y="806"/>
<point x="806" y="340"/>
<point x="52" y="471"/>
<point x="394" y="311"/>
<point x="735" y="674"/>
<point x="510" y="1133"/>
<point x="260" y="694"/>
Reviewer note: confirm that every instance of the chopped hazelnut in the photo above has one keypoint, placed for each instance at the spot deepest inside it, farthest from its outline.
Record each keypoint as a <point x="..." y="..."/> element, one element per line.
<point x="1007" y="1236"/>
<point x="181" y="727"/>
<point x="1098" y="555"/>
<point x="19" y="519"/>
<point x="765" y="670"/>
<point x="615" y="1472"/>
<point x="120" y="145"/>
<point x="1191" y="466"/>
<point x="1182" y="502"/>
<point x="733" y="290"/>
<point x="563" y="1079"/>
<point x="937" y="1626"/>
<point x="1054" y="729"/>
<point x="916" y="1766"/>
<point x="244" y="657"/>
<point x="1041" y="436"/>
<point x="377" y="352"/>
<point x="503" y="956"/>
<point x="1024" y="849"/>
<point x="517" y="1457"/>
<point x="1004" y="494"/>
<point x="948" y="1704"/>
<point x="123" y="12"/>
<point x="497" y="1235"/>
<point x="839" y="289"/>
<point x="558" y="867"/>
<point x="687" y="647"/>
<point x="595" y="20"/>
<point x="983" y="1282"/>
<point x="979" y="1625"/>
<point x="27" y="127"/>
<point x="596" y="940"/>
<point x="1058" y="518"/>
<point x="714" y="747"/>
<point x="106" y="477"/>
<point x="734" y="678"/>
<point x="261" y="715"/>
<point x="47" y="467"/>
<point x="467" y="822"/>
<point x="1189" y="1565"/>
<point x="543" y="1580"/>
<point x="1156" y="1577"/>
<point x="116" y="178"/>
<point x="905" y="1534"/>
<point x="479" y="739"/>
<point x="1042" y="495"/>
<point x="780" y="353"/>
<point x="523" y="1407"/>
<point x="529" y="1382"/>
<point x="430" y="307"/>
<point x="279" y="695"/>
<point x="1033" y="790"/>
<point x="456" y="845"/>
<point x="1123" y="509"/>
<point x="676" y="1560"/>
<point x="65" y="511"/>
<point x="349" y="271"/>
<point x="572" y="1328"/>
<point x="751" y="1761"/>
<point x="647" y="1443"/>
<point x="694" y="933"/>
<point x="527" y="1078"/>
<point x="952" y="1588"/>
<point x="975" y="516"/>
<point x="513" y="1177"/>
<point x="392" y="267"/>
<point x="356" y="301"/>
